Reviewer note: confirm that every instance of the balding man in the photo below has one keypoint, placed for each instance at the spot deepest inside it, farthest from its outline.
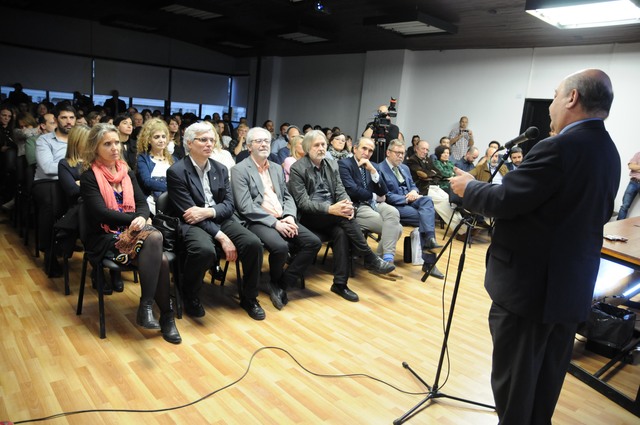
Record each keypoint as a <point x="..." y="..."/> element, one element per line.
<point x="545" y="251"/>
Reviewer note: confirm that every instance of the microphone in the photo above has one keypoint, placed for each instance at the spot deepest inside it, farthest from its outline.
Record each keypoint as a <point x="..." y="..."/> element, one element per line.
<point x="531" y="133"/>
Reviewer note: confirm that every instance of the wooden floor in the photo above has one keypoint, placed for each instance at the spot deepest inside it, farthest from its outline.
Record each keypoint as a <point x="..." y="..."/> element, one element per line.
<point x="52" y="361"/>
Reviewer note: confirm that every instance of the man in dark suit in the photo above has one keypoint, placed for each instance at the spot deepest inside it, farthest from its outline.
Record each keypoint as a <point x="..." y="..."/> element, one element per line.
<point x="199" y="189"/>
<point x="326" y="208"/>
<point x="367" y="190"/>
<point x="545" y="252"/>
<point x="415" y="209"/>
<point x="263" y="200"/>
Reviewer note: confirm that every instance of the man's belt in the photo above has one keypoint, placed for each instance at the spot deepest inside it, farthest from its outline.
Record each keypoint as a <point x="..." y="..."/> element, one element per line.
<point x="635" y="180"/>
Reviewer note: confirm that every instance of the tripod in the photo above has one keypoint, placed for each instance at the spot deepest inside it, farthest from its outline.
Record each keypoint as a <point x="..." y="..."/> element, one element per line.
<point x="434" y="390"/>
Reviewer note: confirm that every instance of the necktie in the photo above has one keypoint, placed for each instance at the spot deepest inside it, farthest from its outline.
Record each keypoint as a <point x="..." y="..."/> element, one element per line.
<point x="363" y="174"/>
<point x="398" y="175"/>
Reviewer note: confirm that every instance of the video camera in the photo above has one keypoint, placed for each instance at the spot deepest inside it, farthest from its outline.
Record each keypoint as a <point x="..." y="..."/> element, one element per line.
<point x="382" y="119"/>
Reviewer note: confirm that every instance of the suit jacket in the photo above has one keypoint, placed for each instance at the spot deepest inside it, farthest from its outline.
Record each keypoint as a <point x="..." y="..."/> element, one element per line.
<point x="396" y="193"/>
<point x="352" y="181"/>
<point x="426" y="166"/>
<point x="248" y="192"/>
<point x="481" y="172"/>
<point x="545" y="252"/>
<point x="302" y="184"/>
<point x="185" y="191"/>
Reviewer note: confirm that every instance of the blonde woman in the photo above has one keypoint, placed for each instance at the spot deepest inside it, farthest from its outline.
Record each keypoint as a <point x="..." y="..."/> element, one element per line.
<point x="70" y="167"/>
<point x="296" y="153"/>
<point x="154" y="159"/>
<point x="219" y="153"/>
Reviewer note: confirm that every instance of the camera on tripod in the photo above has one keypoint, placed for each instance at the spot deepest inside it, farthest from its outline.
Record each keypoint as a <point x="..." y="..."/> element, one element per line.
<point x="381" y="120"/>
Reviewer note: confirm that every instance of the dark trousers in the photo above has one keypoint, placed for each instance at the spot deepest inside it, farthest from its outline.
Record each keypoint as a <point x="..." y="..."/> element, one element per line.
<point x="200" y="252"/>
<point x="303" y="247"/>
<point x="530" y="360"/>
<point x="344" y="233"/>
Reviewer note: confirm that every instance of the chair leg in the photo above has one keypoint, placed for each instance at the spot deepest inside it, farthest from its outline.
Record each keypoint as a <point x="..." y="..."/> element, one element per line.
<point x="177" y="287"/>
<point x="100" y="279"/>
<point x="326" y="251"/>
<point x="83" y="278"/>
<point x="65" y="269"/>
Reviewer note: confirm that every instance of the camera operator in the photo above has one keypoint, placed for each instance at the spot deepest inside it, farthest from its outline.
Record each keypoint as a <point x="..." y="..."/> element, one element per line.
<point x="381" y="131"/>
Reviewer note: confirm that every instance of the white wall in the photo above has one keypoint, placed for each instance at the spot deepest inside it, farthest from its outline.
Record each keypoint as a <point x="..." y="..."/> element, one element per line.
<point x="435" y="88"/>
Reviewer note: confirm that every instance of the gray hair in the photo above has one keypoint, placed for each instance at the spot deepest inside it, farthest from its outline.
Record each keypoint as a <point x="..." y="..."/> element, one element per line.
<point x="310" y="137"/>
<point x="197" y="128"/>
<point x="357" y="142"/>
<point x="255" y="133"/>
<point x="396" y="142"/>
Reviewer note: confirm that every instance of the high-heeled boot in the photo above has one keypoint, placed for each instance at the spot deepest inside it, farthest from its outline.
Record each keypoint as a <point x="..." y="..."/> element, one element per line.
<point x="168" y="327"/>
<point x="145" y="315"/>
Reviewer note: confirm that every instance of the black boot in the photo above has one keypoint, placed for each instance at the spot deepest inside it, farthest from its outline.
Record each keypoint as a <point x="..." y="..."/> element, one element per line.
<point x="145" y="315"/>
<point x="168" y="326"/>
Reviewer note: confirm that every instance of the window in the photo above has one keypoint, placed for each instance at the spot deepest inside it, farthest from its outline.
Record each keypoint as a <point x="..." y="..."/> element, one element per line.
<point x="58" y="96"/>
<point x="141" y="103"/>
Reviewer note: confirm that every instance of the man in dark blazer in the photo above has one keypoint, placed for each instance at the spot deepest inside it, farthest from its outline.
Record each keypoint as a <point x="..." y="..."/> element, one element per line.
<point x="545" y="251"/>
<point x="326" y="208"/>
<point x="415" y="209"/>
<point x="199" y="190"/>
<point x="367" y="190"/>
<point x="263" y="201"/>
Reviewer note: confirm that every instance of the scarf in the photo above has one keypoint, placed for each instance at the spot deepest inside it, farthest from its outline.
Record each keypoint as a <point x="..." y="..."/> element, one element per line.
<point x="105" y="179"/>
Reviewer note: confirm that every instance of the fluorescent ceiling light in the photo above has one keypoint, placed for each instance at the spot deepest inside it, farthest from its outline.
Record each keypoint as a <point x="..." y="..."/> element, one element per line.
<point x="179" y="9"/>
<point x="588" y="14"/>
<point x="412" y="23"/>
<point x="411" y="28"/>
<point x="302" y="37"/>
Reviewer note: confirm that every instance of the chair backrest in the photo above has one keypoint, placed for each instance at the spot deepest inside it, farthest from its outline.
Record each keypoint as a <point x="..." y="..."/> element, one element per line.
<point x="164" y="205"/>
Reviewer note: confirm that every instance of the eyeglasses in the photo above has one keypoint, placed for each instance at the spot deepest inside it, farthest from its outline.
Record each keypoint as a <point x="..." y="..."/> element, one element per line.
<point x="397" y="153"/>
<point x="261" y="141"/>
<point x="205" y="139"/>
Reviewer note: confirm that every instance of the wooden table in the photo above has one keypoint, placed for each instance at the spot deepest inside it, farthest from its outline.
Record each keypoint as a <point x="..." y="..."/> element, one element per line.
<point x="628" y="254"/>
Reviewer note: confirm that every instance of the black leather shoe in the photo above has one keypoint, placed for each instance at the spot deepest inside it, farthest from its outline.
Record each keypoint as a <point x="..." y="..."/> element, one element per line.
<point x="345" y="292"/>
<point x="168" y="327"/>
<point x="116" y="281"/>
<point x="145" y="317"/>
<point x="284" y="298"/>
<point x="431" y="246"/>
<point x="378" y="265"/>
<point x="193" y="307"/>
<point x="275" y="293"/>
<point x="252" y="307"/>
<point x="434" y="271"/>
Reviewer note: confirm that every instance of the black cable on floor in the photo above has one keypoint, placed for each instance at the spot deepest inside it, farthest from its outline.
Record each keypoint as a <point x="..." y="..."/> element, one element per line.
<point x="246" y="372"/>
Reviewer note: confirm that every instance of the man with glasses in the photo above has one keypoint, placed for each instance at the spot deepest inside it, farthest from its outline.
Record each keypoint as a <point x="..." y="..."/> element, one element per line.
<point x="263" y="200"/>
<point x="200" y="191"/>
<point x="326" y="208"/>
<point x="415" y="209"/>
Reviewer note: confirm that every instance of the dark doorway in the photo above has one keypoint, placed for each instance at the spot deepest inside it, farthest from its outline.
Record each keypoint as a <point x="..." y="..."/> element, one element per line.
<point x="535" y="113"/>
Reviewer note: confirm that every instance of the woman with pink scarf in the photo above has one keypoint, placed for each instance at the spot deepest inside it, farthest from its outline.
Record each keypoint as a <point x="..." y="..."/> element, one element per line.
<point x="117" y="215"/>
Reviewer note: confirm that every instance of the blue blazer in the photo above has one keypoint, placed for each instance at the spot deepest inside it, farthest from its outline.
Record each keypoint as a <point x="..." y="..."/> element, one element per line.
<point x="185" y="191"/>
<point x="145" y="168"/>
<point x="545" y="248"/>
<point x="352" y="181"/>
<point x="396" y="193"/>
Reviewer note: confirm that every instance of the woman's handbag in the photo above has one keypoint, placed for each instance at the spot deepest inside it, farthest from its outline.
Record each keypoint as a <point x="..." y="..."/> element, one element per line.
<point x="169" y="227"/>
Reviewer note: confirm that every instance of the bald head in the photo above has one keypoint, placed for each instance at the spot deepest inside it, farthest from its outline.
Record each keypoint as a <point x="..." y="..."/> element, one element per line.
<point x="594" y="89"/>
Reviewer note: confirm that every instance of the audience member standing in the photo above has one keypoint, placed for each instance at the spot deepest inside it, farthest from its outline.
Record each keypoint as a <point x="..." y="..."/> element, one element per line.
<point x="461" y="139"/>
<point x="115" y="106"/>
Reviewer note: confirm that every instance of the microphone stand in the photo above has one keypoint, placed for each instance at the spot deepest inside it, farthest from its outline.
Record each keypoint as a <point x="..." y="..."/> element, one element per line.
<point x="503" y="159"/>
<point x="434" y="390"/>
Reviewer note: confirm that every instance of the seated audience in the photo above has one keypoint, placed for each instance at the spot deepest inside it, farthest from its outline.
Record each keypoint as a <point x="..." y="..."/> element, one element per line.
<point x="296" y="153"/>
<point x="338" y="147"/>
<point x="325" y="208"/>
<point x="486" y="167"/>
<point x="467" y="162"/>
<point x="263" y="201"/>
<point x="50" y="149"/>
<point x="516" y="157"/>
<point x="200" y="191"/>
<point x="124" y="125"/>
<point x="117" y="217"/>
<point x="415" y="209"/>
<point x="367" y="191"/>
<point x="154" y="160"/>
<point x="175" y="138"/>
<point x="444" y="167"/>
